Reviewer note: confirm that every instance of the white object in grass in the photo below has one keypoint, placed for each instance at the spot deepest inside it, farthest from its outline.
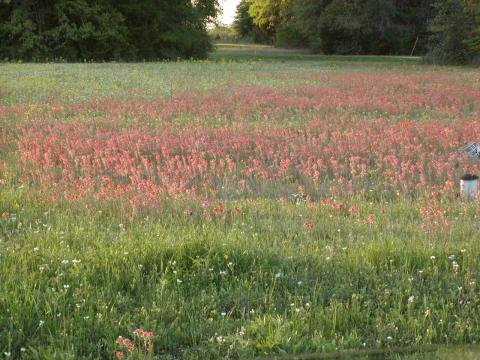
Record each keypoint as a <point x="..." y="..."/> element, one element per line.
<point x="469" y="186"/>
<point x="472" y="149"/>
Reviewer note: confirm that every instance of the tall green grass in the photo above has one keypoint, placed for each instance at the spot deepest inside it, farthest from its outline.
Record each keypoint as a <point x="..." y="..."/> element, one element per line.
<point x="257" y="283"/>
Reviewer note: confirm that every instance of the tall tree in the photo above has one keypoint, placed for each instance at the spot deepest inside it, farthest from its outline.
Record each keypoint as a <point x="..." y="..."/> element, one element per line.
<point x="244" y="25"/>
<point x="363" y="26"/>
<point x="105" y="29"/>
<point x="411" y="25"/>
<point x="68" y="29"/>
<point x="269" y="15"/>
<point x="455" y="32"/>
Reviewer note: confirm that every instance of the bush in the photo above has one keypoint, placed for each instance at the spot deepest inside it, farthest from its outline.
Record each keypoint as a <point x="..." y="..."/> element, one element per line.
<point x="455" y="33"/>
<point x="77" y="30"/>
<point x="290" y="35"/>
<point x="223" y="33"/>
<point x="245" y="27"/>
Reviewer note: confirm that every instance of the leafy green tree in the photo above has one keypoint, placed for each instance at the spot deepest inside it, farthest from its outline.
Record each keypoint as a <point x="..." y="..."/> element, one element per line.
<point x="68" y="29"/>
<point x="105" y="29"/>
<point x="76" y="30"/>
<point x="244" y="25"/>
<point x="222" y="33"/>
<point x="268" y="21"/>
<point x="346" y="26"/>
<point x="455" y="32"/>
<point x="20" y="37"/>
<point x="363" y="26"/>
<point x="243" y="22"/>
<point x="411" y="26"/>
<point x="268" y="15"/>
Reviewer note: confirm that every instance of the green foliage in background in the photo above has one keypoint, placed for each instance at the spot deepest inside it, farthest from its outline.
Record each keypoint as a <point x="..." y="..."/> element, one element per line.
<point x="246" y="28"/>
<point x="456" y="32"/>
<point x="370" y="27"/>
<point x="343" y="27"/>
<point x="223" y="33"/>
<point x="447" y="31"/>
<point x="78" y="30"/>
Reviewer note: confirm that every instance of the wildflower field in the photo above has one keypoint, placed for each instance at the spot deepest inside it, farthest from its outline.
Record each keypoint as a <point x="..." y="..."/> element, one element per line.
<point x="203" y="210"/>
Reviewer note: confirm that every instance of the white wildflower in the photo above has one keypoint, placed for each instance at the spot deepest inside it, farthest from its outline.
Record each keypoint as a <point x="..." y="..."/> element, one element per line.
<point x="455" y="266"/>
<point x="220" y="339"/>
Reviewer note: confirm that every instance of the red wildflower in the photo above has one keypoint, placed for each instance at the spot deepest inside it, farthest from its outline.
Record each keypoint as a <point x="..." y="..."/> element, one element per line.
<point x="308" y="225"/>
<point x="369" y="219"/>
<point x="147" y="334"/>
<point x="126" y="343"/>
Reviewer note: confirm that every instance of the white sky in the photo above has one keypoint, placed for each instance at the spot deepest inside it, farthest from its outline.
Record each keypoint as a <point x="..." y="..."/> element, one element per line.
<point x="229" y="7"/>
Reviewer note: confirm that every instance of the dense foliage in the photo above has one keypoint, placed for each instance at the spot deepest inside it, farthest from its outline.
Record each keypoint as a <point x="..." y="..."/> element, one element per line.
<point x="223" y="33"/>
<point x="245" y="27"/>
<point x="104" y="30"/>
<point x="456" y="32"/>
<point x="343" y="27"/>
<point x="449" y="30"/>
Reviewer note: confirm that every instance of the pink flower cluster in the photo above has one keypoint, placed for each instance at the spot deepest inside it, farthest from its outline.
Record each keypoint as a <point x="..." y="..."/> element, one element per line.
<point x="357" y="132"/>
<point x="346" y="154"/>
<point x="125" y="344"/>
<point x="393" y="92"/>
<point x="143" y="343"/>
<point x="142" y="334"/>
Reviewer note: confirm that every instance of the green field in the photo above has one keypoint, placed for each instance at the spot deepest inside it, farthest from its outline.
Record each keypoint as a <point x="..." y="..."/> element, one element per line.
<point x="240" y="207"/>
<point x="250" y="52"/>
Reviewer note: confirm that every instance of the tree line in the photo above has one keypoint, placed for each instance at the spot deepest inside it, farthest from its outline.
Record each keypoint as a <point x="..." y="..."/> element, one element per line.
<point x="445" y="31"/>
<point x="98" y="30"/>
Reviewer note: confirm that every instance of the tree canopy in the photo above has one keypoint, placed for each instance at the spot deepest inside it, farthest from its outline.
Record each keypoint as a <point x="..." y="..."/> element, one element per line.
<point x="447" y="30"/>
<point x="77" y="30"/>
<point x="455" y="32"/>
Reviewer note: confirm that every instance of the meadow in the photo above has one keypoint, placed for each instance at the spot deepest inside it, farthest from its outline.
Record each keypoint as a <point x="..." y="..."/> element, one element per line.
<point x="237" y="208"/>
